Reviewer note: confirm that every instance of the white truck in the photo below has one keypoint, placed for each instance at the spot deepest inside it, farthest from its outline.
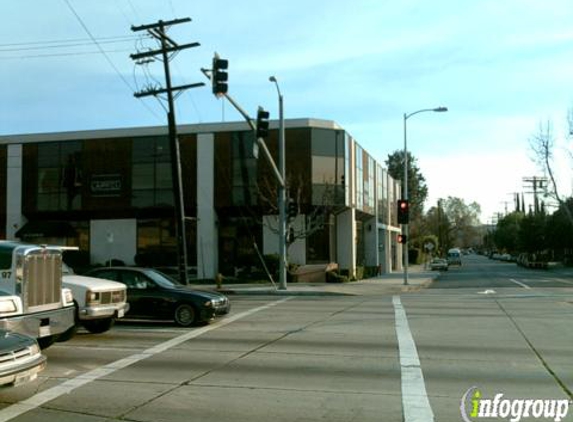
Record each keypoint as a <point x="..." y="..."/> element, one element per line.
<point x="98" y="302"/>
<point x="32" y="298"/>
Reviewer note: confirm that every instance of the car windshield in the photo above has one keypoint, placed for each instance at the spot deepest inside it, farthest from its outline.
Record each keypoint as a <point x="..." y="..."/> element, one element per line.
<point x="161" y="279"/>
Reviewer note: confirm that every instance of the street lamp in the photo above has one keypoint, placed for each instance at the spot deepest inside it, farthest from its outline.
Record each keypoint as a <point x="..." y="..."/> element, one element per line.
<point x="405" y="186"/>
<point x="281" y="192"/>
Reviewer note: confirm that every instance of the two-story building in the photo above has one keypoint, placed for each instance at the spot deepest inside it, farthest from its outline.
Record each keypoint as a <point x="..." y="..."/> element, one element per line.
<point x="109" y="192"/>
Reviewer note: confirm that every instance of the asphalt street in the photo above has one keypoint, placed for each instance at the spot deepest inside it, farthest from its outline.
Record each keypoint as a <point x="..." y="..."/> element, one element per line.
<point x="365" y="356"/>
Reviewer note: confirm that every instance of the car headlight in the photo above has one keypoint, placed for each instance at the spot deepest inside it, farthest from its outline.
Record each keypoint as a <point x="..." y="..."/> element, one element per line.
<point x="92" y="298"/>
<point x="68" y="297"/>
<point x="7" y="306"/>
<point x="34" y="349"/>
<point x="208" y="304"/>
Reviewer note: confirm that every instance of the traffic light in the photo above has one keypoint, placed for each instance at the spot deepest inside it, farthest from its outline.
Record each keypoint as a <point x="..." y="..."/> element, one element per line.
<point x="402" y="238"/>
<point x="262" y="123"/>
<point x="219" y="77"/>
<point x="403" y="211"/>
<point x="292" y="209"/>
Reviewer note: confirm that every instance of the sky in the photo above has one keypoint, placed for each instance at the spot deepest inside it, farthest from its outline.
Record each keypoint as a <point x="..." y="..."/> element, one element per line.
<point x="503" y="68"/>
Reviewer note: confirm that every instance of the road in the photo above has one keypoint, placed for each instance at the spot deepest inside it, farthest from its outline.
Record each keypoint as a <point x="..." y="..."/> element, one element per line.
<point x="488" y="325"/>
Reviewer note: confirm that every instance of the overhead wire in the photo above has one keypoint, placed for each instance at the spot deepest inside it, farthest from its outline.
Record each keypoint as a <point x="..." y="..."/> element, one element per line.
<point x="108" y="59"/>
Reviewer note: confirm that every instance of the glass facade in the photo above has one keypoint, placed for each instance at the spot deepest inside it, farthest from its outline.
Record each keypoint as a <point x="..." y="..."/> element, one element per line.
<point x="59" y="176"/>
<point x="328" y="167"/>
<point x="244" y="169"/>
<point x="151" y="181"/>
<point x="359" y="178"/>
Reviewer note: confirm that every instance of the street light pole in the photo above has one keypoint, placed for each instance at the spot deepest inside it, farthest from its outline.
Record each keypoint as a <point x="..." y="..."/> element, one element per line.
<point x="281" y="193"/>
<point x="405" y="227"/>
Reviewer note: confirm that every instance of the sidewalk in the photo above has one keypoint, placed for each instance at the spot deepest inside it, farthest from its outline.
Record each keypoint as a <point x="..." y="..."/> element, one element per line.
<point x="418" y="279"/>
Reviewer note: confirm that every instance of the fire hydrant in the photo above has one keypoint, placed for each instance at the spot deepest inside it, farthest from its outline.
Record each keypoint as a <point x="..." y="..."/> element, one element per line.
<point x="219" y="281"/>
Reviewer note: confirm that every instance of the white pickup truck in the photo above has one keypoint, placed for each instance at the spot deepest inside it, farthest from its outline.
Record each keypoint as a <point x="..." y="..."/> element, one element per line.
<point x="99" y="302"/>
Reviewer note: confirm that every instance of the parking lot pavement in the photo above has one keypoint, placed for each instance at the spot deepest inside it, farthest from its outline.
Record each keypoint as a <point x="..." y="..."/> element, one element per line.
<point x="418" y="279"/>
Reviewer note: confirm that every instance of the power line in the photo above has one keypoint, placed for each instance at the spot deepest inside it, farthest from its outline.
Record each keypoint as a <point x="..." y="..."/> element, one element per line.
<point x="70" y="42"/>
<point x="125" y="81"/>
<point x="76" y="53"/>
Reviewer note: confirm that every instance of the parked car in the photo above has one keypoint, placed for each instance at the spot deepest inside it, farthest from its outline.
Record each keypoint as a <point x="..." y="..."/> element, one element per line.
<point x="439" y="264"/>
<point x="99" y="302"/>
<point x="152" y="294"/>
<point x="20" y="358"/>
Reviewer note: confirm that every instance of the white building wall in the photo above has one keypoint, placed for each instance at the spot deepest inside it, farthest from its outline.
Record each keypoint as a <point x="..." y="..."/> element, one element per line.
<point x="14" y="218"/>
<point x="346" y="235"/>
<point x="270" y="234"/>
<point x="296" y="253"/>
<point x="113" y="239"/>
<point x="207" y="234"/>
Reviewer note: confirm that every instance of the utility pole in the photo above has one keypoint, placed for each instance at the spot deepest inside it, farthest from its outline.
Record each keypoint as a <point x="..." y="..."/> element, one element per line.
<point x="537" y="184"/>
<point x="167" y="48"/>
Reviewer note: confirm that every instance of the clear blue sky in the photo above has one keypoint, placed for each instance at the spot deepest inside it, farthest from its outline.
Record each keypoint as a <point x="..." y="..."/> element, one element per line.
<point x="501" y="67"/>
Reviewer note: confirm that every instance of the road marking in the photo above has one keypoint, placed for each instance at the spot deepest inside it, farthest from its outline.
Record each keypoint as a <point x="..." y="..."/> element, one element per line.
<point x="67" y="387"/>
<point x="525" y="286"/>
<point x="415" y="404"/>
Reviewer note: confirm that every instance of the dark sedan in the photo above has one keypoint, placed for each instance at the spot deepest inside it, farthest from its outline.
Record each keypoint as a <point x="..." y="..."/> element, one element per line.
<point x="154" y="295"/>
<point x="20" y="359"/>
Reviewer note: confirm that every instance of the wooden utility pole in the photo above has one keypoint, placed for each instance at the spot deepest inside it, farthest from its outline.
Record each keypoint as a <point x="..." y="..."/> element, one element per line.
<point x="168" y="46"/>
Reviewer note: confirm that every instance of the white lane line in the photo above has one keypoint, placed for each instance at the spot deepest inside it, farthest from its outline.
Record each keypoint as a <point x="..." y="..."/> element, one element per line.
<point x="415" y="404"/>
<point x="525" y="286"/>
<point x="67" y="387"/>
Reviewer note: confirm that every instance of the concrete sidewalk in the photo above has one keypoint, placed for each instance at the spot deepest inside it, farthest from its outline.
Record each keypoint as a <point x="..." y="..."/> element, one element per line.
<point x="418" y="278"/>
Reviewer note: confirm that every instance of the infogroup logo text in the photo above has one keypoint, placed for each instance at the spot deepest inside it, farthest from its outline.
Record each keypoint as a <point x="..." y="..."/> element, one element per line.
<point x="474" y="406"/>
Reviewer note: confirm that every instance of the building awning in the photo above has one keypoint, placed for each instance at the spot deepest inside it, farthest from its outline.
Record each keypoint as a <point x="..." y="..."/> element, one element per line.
<point x="46" y="229"/>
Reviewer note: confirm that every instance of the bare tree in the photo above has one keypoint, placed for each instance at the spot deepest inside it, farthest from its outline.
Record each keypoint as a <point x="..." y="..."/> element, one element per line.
<point x="542" y="144"/>
<point x="316" y="217"/>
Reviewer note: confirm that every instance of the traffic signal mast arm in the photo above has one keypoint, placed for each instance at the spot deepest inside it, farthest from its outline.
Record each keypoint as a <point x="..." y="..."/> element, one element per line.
<point x="253" y="126"/>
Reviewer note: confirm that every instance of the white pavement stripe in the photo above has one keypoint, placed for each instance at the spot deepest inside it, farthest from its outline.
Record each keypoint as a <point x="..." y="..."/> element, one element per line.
<point x="67" y="387"/>
<point x="415" y="404"/>
<point x="525" y="286"/>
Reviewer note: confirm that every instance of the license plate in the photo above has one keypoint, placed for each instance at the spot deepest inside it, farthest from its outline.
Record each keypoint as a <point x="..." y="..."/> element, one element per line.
<point x="25" y="377"/>
<point x="45" y="331"/>
<point x="120" y="313"/>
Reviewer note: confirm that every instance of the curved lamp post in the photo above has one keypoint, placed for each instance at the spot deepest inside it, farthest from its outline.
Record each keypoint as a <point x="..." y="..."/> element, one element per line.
<point x="281" y="192"/>
<point x="405" y="185"/>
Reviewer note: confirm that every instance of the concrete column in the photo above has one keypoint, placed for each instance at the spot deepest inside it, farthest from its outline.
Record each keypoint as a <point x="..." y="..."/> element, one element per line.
<point x="207" y="233"/>
<point x="371" y="242"/>
<point x="346" y="247"/>
<point x="14" y="218"/>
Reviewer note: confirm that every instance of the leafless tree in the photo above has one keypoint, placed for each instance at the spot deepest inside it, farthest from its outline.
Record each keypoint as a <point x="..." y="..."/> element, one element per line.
<point x="316" y="218"/>
<point x="542" y="144"/>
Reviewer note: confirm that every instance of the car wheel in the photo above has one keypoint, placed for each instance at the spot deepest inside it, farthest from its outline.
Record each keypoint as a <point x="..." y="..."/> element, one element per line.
<point x="184" y="315"/>
<point x="97" y="326"/>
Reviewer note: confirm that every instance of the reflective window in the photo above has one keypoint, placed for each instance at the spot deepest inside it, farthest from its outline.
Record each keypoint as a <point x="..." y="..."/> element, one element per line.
<point x="60" y="176"/>
<point x="151" y="180"/>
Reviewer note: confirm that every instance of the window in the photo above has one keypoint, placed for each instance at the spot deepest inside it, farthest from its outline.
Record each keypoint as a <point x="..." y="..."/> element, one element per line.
<point x="151" y="180"/>
<point x="59" y="176"/>
<point x="328" y="166"/>
<point x="244" y="169"/>
<point x="359" y="178"/>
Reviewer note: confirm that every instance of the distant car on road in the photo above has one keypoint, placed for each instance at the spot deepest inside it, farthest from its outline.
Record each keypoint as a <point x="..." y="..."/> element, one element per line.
<point x="154" y="295"/>
<point x="454" y="257"/>
<point x="439" y="264"/>
<point x="20" y="359"/>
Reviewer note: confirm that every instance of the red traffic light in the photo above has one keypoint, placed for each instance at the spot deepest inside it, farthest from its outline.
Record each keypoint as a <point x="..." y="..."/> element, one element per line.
<point x="403" y="211"/>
